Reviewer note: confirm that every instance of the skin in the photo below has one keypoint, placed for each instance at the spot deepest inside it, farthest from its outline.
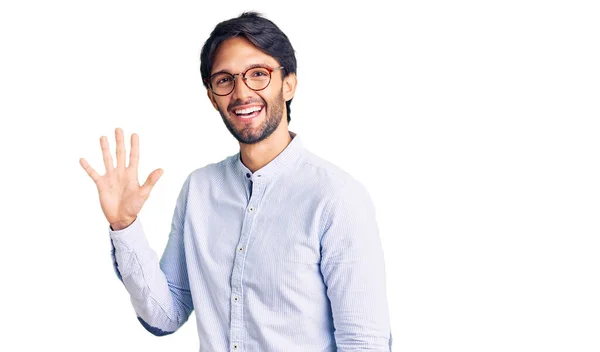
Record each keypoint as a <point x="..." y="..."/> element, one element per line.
<point x="236" y="55"/>
<point x="121" y="195"/>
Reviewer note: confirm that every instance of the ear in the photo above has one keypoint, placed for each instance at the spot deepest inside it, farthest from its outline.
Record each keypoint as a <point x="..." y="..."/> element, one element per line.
<point x="211" y="97"/>
<point x="289" y="86"/>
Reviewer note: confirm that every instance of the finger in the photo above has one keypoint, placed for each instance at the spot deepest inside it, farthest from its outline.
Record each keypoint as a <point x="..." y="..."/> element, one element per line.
<point x="151" y="180"/>
<point x="90" y="170"/>
<point x="108" y="162"/>
<point x="120" y="148"/>
<point x="134" y="154"/>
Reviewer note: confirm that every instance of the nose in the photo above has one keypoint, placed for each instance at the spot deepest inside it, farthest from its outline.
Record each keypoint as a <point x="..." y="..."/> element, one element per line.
<point x="241" y="90"/>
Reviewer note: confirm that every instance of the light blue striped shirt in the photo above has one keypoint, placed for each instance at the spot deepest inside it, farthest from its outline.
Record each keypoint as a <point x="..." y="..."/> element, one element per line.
<point x="287" y="258"/>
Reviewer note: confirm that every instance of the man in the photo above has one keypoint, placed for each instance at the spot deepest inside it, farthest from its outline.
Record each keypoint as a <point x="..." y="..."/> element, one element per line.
<point x="275" y="248"/>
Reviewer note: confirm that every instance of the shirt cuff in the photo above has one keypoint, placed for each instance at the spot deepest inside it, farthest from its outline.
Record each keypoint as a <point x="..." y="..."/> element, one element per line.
<point x="130" y="238"/>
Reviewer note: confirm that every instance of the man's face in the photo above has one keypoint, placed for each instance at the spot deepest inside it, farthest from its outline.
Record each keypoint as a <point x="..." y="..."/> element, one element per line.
<point x="250" y="116"/>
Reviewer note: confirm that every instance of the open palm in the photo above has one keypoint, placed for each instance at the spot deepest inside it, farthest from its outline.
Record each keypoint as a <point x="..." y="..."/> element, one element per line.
<point x="121" y="196"/>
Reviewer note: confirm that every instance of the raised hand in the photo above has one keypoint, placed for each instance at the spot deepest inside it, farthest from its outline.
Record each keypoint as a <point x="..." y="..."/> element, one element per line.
<point x="121" y="196"/>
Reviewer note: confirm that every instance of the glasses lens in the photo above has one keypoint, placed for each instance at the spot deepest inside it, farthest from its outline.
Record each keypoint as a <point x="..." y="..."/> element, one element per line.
<point x="258" y="78"/>
<point x="222" y="83"/>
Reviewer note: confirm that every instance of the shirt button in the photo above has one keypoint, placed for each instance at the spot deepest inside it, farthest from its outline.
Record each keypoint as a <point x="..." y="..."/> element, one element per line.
<point x="235" y="346"/>
<point x="248" y="175"/>
<point x="235" y="299"/>
<point x="251" y="209"/>
<point x="241" y="249"/>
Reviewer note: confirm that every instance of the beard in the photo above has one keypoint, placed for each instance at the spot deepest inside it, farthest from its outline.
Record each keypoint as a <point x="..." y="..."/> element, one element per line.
<point x="251" y="135"/>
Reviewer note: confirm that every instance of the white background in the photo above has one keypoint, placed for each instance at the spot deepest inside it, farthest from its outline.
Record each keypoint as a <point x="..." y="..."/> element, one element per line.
<point x="473" y="124"/>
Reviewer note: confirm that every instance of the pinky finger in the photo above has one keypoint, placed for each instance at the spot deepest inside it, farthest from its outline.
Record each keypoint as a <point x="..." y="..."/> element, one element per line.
<point x="90" y="170"/>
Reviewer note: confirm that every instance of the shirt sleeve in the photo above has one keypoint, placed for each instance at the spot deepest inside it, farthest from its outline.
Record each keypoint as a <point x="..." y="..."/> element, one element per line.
<point x="159" y="291"/>
<point x="353" y="269"/>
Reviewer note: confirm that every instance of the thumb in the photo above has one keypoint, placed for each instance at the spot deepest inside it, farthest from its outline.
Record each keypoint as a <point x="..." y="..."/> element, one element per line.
<point x="151" y="180"/>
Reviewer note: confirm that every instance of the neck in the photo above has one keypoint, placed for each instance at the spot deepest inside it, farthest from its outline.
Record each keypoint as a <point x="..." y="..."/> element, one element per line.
<point x="256" y="156"/>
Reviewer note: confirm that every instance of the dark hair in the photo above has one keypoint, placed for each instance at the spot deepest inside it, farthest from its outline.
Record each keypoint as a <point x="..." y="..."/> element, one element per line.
<point x="261" y="32"/>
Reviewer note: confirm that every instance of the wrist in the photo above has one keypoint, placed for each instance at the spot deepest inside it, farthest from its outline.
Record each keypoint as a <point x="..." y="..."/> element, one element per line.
<point x="120" y="225"/>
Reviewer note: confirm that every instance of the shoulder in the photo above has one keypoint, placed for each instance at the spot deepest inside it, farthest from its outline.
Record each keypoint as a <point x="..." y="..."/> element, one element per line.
<point x="210" y="174"/>
<point x="213" y="170"/>
<point x="348" y="212"/>
<point x="328" y="177"/>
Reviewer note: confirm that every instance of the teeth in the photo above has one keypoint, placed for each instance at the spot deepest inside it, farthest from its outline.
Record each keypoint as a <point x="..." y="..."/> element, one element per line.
<point x="249" y="110"/>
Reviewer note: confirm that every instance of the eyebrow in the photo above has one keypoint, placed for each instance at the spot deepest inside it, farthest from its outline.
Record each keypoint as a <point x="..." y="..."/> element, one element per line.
<point x="246" y="69"/>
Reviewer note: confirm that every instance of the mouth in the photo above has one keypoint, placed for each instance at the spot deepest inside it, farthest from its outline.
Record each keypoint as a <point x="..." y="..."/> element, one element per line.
<point x="247" y="112"/>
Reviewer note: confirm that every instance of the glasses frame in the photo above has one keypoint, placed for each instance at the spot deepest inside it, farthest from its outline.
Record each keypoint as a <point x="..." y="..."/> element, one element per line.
<point x="207" y="80"/>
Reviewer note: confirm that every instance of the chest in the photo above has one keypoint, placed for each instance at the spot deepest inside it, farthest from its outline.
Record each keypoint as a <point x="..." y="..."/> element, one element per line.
<point x="266" y="231"/>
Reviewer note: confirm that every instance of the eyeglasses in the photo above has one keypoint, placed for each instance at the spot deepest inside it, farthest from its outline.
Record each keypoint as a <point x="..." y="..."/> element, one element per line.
<point x="255" y="78"/>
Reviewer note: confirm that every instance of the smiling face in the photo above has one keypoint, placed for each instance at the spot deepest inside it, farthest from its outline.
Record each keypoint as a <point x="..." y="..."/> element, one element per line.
<point x="251" y="116"/>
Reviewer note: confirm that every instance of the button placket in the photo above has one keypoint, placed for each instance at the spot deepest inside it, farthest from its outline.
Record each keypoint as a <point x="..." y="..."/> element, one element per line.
<point x="236" y="332"/>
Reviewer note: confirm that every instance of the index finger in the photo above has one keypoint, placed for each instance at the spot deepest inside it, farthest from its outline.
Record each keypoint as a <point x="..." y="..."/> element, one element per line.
<point x="134" y="154"/>
<point x="108" y="161"/>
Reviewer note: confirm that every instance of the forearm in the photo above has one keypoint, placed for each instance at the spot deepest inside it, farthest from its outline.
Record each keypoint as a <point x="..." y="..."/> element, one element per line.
<point x="358" y="300"/>
<point x="160" y="305"/>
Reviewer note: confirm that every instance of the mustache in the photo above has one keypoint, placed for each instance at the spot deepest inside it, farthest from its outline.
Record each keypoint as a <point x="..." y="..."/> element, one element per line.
<point x="238" y="102"/>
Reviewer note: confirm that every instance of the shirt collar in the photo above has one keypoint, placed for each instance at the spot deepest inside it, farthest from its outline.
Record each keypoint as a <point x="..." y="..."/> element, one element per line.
<point x="282" y="162"/>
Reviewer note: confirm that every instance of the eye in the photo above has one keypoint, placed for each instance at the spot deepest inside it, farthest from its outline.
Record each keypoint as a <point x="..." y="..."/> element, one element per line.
<point x="258" y="73"/>
<point x="223" y="79"/>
